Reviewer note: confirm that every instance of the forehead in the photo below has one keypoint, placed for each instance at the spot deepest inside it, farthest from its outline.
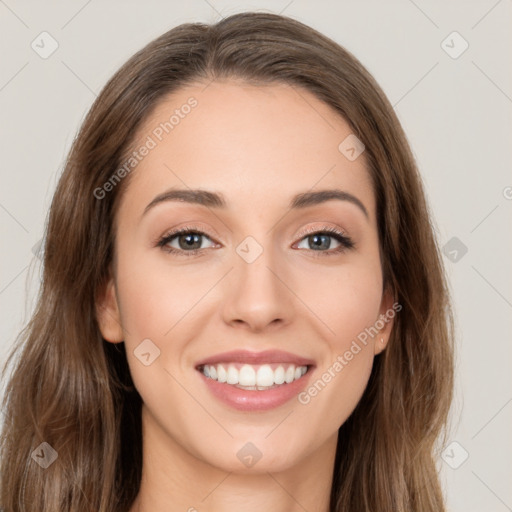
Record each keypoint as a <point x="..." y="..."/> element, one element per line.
<point x="260" y="143"/>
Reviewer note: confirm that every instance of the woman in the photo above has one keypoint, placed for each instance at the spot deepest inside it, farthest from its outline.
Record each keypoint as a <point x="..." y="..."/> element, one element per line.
<point x="243" y="301"/>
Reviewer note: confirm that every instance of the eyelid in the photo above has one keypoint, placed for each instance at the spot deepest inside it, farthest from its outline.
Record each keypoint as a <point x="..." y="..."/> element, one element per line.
<point x="184" y="228"/>
<point x="321" y="229"/>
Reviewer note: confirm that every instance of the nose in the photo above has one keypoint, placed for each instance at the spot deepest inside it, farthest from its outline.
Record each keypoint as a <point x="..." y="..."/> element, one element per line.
<point x="257" y="295"/>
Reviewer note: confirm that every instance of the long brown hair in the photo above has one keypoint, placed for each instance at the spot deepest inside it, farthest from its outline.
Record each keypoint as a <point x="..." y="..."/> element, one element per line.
<point x="73" y="390"/>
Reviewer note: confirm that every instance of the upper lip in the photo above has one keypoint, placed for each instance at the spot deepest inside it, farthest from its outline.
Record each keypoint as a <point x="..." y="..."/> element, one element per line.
<point x="267" y="356"/>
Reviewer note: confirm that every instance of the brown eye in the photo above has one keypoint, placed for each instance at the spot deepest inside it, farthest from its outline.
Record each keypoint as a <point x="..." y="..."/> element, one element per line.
<point x="189" y="241"/>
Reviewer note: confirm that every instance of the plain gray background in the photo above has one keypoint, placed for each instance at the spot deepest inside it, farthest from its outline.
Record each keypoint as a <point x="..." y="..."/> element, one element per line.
<point x="456" y="110"/>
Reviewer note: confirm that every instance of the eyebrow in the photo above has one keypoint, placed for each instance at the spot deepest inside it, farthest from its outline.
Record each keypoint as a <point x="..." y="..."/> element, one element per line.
<point x="215" y="200"/>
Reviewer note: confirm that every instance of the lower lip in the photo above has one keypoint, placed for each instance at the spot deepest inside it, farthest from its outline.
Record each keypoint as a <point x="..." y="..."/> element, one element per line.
<point x="253" y="400"/>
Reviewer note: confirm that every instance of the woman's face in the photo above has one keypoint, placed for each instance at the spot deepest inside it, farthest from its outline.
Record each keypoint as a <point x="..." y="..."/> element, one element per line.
<point x="251" y="276"/>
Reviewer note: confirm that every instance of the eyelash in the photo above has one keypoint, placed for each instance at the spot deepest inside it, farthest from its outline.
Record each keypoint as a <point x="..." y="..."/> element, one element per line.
<point x="345" y="241"/>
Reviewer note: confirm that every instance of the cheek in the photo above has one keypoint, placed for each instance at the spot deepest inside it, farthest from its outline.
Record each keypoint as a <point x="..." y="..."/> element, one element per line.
<point x="346" y="300"/>
<point x="155" y="296"/>
<point x="156" y="303"/>
<point x="337" y="388"/>
<point x="166" y="304"/>
<point x="348" y="304"/>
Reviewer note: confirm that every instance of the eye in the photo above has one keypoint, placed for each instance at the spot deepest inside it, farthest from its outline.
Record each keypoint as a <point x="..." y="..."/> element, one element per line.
<point x="185" y="240"/>
<point x="320" y="239"/>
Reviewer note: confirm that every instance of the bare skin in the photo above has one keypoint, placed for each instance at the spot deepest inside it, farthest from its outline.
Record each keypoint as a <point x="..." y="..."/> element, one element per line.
<point x="258" y="147"/>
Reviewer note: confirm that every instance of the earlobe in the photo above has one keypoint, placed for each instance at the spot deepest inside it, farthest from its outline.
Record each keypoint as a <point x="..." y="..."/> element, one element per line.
<point x="385" y="321"/>
<point x="380" y="346"/>
<point x="107" y="313"/>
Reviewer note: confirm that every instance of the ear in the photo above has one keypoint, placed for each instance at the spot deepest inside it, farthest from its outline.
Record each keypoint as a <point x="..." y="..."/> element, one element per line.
<point x="387" y="312"/>
<point x="107" y="312"/>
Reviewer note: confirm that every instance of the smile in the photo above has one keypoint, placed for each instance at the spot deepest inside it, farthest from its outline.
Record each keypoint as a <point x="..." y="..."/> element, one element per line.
<point x="255" y="381"/>
<point x="254" y="377"/>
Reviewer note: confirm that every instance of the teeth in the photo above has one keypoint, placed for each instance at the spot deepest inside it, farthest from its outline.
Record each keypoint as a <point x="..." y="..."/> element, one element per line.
<point x="232" y="375"/>
<point x="247" y="376"/>
<point x="254" y="377"/>
<point x="279" y="375"/>
<point x="222" y="374"/>
<point x="265" y="376"/>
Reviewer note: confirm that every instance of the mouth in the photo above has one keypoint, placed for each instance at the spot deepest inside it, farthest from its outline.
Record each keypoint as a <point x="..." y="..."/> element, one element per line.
<point x="254" y="377"/>
<point x="252" y="381"/>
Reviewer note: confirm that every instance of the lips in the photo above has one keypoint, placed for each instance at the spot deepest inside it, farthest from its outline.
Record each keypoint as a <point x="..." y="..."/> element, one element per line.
<point x="272" y="390"/>
<point x="265" y="357"/>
